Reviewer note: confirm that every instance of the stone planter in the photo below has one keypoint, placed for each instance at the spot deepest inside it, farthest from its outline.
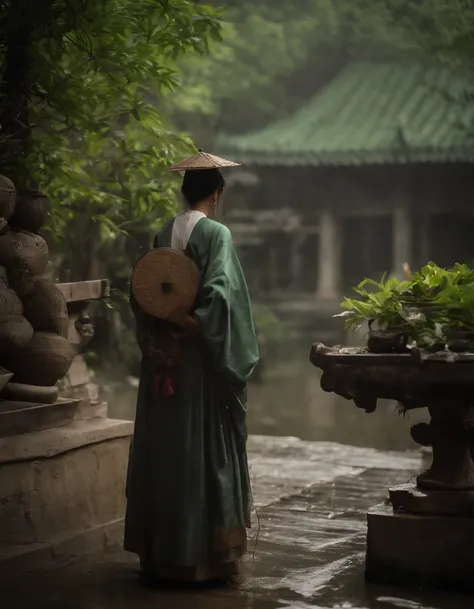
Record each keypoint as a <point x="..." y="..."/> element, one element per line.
<point x="386" y="341"/>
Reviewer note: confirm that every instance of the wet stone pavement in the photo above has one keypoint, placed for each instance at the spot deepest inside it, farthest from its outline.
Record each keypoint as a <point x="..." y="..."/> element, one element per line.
<point x="306" y="549"/>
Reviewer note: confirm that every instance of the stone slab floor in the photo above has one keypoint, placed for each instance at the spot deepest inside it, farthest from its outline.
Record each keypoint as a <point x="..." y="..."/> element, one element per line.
<point x="306" y="550"/>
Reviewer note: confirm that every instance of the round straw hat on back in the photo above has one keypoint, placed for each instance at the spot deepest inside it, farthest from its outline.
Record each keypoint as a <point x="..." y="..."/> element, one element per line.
<point x="165" y="283"/>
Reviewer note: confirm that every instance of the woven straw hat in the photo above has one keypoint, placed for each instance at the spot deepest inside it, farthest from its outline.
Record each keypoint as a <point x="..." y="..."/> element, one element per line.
<point x="202" y="160"/>
<point x="164" y="283"/>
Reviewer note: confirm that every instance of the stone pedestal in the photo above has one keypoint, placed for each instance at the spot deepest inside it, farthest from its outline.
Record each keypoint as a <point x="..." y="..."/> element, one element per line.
<point x="425" y="534"/>
<point x="62" y="465"/>
<point x="62" y="493"/>
<point x="420" y="550"/>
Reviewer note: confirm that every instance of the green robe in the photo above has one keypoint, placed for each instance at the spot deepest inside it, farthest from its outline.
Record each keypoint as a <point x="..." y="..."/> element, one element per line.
<point x="188" y="488"/>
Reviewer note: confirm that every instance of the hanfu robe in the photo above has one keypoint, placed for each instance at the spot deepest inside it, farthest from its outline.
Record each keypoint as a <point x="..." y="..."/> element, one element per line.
<point x="188" y="488"/>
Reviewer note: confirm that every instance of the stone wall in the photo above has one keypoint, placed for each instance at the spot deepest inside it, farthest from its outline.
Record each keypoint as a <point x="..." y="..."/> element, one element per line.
<point x="68" y="493"/>
<point x="62" y="493"/>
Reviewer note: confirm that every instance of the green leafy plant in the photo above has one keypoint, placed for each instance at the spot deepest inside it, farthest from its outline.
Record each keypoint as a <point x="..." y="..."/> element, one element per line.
<point x="80" y="103"/>
<point x="433" y="306"/>
<point x="382" y="303"/>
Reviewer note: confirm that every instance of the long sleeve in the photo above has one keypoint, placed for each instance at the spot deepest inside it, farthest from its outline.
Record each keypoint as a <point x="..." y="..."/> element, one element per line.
<point x="224" y="312"/>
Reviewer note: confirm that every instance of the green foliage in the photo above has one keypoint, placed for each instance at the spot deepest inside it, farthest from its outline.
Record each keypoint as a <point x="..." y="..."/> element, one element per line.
<point x="442" y="29"/>
<point x="435" y="303"/>
<point x="382" y="303"/>
<point x="102" y="146"/>
<point x="98" y="144"/>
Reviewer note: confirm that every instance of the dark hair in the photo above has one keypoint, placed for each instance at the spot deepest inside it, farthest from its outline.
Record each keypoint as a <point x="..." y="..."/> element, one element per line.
<point x="199" y="184"/>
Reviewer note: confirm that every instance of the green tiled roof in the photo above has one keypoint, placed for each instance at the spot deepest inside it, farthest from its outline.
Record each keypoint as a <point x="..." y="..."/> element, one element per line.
<point x="371" y="113"/>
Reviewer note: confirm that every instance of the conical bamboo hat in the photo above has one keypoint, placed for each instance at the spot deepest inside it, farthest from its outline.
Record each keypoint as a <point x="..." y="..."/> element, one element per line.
<point x="202" y="160"/>
<point x="165" y="283"/>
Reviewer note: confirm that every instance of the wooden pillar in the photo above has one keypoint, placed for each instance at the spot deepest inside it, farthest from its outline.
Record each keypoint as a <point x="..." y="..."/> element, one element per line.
<point x="401" y="240"/>
<point x="329" y="256"/>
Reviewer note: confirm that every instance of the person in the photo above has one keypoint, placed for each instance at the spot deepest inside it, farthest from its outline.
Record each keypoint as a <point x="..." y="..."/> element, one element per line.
<point x="188" y="487"/>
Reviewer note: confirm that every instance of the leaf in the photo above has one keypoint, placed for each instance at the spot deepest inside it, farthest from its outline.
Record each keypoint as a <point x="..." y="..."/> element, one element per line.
<point x="345" y="314"/>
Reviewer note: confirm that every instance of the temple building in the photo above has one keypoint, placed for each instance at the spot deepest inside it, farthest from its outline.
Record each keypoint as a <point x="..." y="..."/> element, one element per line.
<point x="372" y="172"/>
